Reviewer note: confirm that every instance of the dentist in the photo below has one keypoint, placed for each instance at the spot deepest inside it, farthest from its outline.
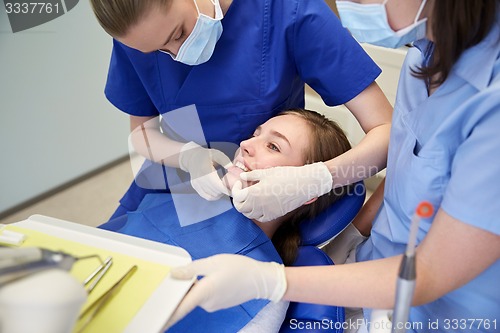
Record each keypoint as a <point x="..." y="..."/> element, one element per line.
<point x="240" y="62"/>
<point x="444" y="148"/>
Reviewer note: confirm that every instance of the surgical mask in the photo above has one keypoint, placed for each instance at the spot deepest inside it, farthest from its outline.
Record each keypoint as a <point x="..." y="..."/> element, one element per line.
<point x="368" y="23"/>
<point x="200" y="44"/>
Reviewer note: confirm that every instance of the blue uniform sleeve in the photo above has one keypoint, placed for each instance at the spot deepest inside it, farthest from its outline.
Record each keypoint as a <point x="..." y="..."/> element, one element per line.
<point x="474" y="187"/>
<point x="124" y="88"/>
<point x="328" y="58"/>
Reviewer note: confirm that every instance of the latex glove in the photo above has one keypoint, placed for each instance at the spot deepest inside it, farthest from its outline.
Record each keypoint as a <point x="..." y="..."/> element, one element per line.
<point x="280" y="190"/>
<point x="230" y="280"/>
<point x="199" y="162"/>
<point x="341" y="247"/>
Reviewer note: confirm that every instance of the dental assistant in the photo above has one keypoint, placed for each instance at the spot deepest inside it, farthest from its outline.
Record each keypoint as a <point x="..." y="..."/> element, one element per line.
<point x="444" y="148"/>
<point x="240" y="62"/>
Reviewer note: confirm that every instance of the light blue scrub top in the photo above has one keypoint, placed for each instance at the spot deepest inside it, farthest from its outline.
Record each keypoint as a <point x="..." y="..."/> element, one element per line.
<point x="446" y="149"/>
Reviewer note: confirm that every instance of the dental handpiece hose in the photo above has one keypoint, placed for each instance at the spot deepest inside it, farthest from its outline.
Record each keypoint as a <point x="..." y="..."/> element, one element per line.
<point x="407" y="272"/>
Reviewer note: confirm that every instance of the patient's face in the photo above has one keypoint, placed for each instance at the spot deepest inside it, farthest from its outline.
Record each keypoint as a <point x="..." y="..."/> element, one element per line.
<point x="280" y="141"/>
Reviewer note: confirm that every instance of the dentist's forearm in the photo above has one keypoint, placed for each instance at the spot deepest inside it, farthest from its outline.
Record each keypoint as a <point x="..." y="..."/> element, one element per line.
<point x="442" y="266"/>
<point x="150" y="143"/>
<point x="373" y="112"/>
<point x="345" y="285"/>
<point x="364" y="160"/>
<point x="368" y="284"/>
<point x="364" y="219"/>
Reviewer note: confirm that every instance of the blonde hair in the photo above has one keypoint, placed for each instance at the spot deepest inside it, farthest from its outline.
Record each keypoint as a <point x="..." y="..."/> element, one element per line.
<point x="327" y="140"/>
<point x="117" y="16"/>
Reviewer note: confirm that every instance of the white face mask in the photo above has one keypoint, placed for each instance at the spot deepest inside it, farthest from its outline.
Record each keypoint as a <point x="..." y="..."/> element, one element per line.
<point x="368" y="23"/>
<point x="200" y="44"/>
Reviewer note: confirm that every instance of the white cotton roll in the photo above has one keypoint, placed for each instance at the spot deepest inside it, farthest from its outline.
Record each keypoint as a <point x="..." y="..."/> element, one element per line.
<point x="46" y="302"/>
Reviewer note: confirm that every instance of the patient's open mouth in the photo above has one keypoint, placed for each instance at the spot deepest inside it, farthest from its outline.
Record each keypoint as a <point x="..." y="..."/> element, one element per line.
<point x="241" y="166"/>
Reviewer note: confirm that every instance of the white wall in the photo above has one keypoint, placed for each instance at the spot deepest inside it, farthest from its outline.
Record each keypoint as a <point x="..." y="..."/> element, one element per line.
<point x="390" y="61"/>
<point x="55" y="123"/>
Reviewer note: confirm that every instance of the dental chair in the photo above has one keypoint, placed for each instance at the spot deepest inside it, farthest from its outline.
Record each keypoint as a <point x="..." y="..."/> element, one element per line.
<point x="306" y="317"/>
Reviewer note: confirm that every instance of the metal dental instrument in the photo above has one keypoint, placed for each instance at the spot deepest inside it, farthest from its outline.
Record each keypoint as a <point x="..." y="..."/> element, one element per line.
<point x="99" y="303"/>
<point x="100" y="271"/>
<point x="407" y="272"/>
<point x="22" y="262"/>
<point x="94" y="273"/>
<point x="13" y="256"/>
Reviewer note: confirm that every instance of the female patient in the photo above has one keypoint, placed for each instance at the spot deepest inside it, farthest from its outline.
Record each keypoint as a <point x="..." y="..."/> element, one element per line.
<point x="293" y="138"/>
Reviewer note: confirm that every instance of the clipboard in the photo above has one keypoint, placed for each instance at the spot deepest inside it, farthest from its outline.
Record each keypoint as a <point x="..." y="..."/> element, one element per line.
<point x="167" y="293"/>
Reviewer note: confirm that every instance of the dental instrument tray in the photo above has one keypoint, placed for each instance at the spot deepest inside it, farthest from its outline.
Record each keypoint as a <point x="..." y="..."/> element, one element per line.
<point x="148" y="299"/>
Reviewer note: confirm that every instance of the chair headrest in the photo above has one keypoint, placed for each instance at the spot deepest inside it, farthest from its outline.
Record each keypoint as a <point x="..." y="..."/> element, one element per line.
<point x="334" y="219"/>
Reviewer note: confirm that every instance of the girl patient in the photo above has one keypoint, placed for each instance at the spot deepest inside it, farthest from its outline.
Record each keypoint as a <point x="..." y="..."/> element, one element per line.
<point x="292" y="138"/>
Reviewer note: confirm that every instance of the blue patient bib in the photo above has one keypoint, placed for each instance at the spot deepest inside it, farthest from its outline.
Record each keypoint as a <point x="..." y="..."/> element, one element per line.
<point x="230" y="232"/>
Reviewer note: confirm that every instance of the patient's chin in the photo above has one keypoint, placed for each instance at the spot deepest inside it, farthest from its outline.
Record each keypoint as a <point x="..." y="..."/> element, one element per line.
<point x="229" y="180"/>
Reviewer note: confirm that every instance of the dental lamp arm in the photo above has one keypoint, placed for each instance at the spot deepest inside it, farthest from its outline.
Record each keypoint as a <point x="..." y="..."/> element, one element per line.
<point x="442" y="266"/>
<point x="199" y="162"/>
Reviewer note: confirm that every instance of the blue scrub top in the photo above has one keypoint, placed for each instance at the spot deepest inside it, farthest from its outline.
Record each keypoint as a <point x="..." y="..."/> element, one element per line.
<point x="446" y="149"/>
<point x="267" y="51"/>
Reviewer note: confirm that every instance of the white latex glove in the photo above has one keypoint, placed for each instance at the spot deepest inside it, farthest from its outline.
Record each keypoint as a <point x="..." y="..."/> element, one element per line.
<point x="340" y="248"/>
<point x="230" y="280"/>
<point x="280" y="190"/>
<point x="199" y="162"/>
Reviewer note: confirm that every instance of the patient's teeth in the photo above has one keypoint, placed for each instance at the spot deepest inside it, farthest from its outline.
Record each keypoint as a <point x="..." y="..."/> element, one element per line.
<point x="241" y="166"/>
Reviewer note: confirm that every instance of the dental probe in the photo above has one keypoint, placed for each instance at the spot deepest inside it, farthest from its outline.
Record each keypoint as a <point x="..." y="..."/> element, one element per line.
<point x="22" y="262"/>
<point x="407" y="272"/>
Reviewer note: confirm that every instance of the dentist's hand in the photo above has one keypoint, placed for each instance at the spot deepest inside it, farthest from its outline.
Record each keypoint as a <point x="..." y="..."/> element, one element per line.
<point x="280" y="190"/>
<point x="199" y="162"/>
<point x="229" y="280"/>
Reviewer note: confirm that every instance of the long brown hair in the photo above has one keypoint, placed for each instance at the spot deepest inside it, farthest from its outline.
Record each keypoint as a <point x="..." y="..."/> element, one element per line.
<point x="456" y="26"/>
<point x="117" y="16"/>
<point x="327" y="140"/>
